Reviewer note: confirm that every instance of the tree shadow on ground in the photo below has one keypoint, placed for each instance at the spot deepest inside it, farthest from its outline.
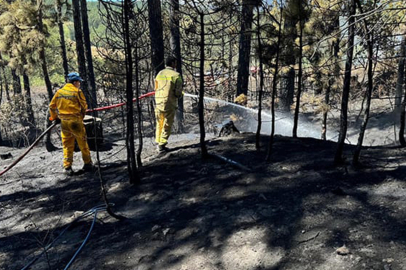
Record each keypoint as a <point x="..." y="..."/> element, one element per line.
<point x="290" y="213"/>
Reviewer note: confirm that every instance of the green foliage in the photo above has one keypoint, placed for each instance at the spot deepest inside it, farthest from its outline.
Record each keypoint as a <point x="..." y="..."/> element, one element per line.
<point x="19" y="37"/>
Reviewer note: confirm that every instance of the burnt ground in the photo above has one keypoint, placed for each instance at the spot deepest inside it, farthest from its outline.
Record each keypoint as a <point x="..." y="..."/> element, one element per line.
<point x="291" y="213"/>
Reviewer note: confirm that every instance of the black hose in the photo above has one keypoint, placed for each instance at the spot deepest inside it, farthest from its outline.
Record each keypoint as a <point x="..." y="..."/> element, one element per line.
<point x="83" y="243"/>
<point x="85" y="214"/>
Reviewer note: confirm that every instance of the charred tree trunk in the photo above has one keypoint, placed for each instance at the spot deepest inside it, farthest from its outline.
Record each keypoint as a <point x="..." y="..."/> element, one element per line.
<point x="401" y="74"/>
<point x="1" y="99"/>
<point x="274" y="86"/>
<point x="245" y="47"/>
<point x="1" y="89"/>
<point x="80" y="49"/>
<point x="201" y="90"/>
<point x="48" y="144"/>
<point x="16" y="83"/>
<point x="156" y="34"/>
<point x="230" y="69"/>
<point x="1" y="96"/>
<point x="3" y="72"/>
<point x="402" y="140"/>
<point x="325" y="112"/>
<point x="335" y="48"/>
<point x="176" y="51"/>
<point x="131" y="160"/>
<point x="370" y="51"/>
<point x="357" y="151"/>
<point x="400" y="84"/>
<point x="300" y="74"/>
<point x="91" y="83"/>
<point x="261" y="83"/>
<point x="58" y="8"/>
<point x="287" y="88"/>
<point x="42" y="55"/>
<point x="28" y="100"/>
<point x="139" y="111"/>
<point x="346" y="88"/>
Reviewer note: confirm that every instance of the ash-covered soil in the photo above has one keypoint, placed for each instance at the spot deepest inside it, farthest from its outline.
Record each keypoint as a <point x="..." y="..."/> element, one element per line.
<point x="295" y="212"/>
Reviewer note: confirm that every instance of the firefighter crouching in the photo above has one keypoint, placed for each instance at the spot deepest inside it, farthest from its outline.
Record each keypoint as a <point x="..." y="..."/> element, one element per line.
<point x="68" y="106"/>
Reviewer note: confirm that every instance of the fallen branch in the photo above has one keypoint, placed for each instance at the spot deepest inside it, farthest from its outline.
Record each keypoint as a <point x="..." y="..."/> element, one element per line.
<point x="309" y="239"/>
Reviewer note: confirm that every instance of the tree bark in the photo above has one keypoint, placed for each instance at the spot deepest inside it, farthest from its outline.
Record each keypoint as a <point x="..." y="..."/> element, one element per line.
<point x="3" y="72"/>
<point x="1" y="89"/>
<point x="1" y="98"/>
<point x="131" y="159"/>
<point x="245" y="47"/>
<point x="400" y="85"/>
<point x="201" y="90"/>
<point x="300" y="73"/>
<point x="80" y="50"/>
<point x="333" y="76"/>
<point x="28" y="100"/>
<point x="401" y="74"/>
<point x="58" y="9"/>
<point x="156" y="34"/>
<point x="91" y="81"/>
<point x="402" y="140"/>
<point x="357" y="151"/>
<point x="327" y="102"/>
<point x="16" y="83"/>
<point x="346" y="88"/>
<point x="139" y="111"/>
<point x="261" y="83"/>
<point x="176" y="51"/>
<point x="48" y="144"/>
<point x="230" y="70"/>
<point x="370" y="51"/>
<point x="274" y="86"/>
<point x="287" y="88"/>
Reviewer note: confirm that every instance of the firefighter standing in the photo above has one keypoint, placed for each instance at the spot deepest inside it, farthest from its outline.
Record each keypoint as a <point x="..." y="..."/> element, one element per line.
<point x="69" y="107"/>
<point x="168" y="89"/>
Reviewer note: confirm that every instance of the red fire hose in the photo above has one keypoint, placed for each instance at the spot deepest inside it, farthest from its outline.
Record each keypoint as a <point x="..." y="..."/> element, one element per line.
<point x="28" y="150"/>
<point x="54" y="124"/>
<point x="119" y="104"/>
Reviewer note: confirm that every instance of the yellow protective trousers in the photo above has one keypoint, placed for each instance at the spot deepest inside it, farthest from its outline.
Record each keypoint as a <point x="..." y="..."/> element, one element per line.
<point x="73" y="129"/>
<point x="164" y="122"/>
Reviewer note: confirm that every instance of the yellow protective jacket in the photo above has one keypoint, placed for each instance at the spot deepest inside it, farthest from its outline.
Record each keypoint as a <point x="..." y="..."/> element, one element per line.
<point x="68" y="102"/>
<point x="168" y="88"/>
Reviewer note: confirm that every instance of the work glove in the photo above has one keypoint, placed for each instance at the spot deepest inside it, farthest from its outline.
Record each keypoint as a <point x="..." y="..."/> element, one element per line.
<point x="57" y="121"/>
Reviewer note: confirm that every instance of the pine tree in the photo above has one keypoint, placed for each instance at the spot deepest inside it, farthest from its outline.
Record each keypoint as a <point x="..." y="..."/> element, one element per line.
<point x="22" y="42"/>
<point x="59" y="4"/>
<point x="304" y="14"/>
<point x="91" y="83"/>
<point x="80" y="48"/>
<point x="244" y="51"/>
<point x="176" y="51"/>
<point x="347" y="81"/>
<point x="369" y="36"/>
<point x="156" y="34"/>
<point x="289" y="52"/>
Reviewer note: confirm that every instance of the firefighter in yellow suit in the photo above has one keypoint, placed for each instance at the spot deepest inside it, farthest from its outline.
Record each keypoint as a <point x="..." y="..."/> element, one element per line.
<point x="168" y="89"/>
<point x="69" y="107"/>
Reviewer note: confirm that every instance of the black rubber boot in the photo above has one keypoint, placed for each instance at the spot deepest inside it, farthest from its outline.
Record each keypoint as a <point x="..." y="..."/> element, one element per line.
<point x="68" y="171"/>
